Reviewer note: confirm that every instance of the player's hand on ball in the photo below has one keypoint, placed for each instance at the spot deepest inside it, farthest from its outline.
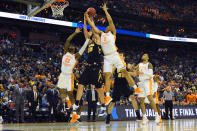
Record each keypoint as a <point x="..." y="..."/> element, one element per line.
<point x="141" y="73"/>
<point x="78" y="30"/>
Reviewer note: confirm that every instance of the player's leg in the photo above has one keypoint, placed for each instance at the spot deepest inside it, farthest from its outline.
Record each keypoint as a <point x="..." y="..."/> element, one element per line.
<point x="82" y="81"/>
<point x="143" y="108"/>
<point x="156" y="100"/>
<point x="71" y="97"/>
<point x="149" y="94"/>
<point x="78" y="97"/>
<point x="62" y="85"/>
<point x="153" y="105"/>
<point x="115" y="97"/>
<point x="109" y="111"/>
<point x="64" y="94"/>
<point x="70" y="89"/>
<point x="95" y="79"/>
<point x="107" y="73"/>
<point x="101" y="96"/>
<point x="121" y="65"/>
<point x="135" y="106"/>
<point x="116" y="94"/>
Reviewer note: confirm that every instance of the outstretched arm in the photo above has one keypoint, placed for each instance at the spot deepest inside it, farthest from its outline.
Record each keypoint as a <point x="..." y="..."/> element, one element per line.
<point x="80" y="53"/>
<point x="109" y="19"/>
<point x="77" y="31"/>
<point x="91" y="23"/>
<point x="85" y="30"/>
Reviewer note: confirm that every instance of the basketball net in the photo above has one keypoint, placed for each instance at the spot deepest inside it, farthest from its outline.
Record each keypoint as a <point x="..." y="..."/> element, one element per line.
<point x="58" y="8"/>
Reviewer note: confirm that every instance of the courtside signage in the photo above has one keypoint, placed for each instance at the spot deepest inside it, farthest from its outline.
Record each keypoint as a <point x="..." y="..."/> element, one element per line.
<point x="72" y="24"/>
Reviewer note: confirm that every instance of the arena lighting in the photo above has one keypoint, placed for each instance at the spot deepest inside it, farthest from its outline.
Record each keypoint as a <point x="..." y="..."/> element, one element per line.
<point x="72" y="24"/>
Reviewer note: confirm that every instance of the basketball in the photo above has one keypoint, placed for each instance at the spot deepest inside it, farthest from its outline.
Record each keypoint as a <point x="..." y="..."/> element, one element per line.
<point x="91" y="11"/>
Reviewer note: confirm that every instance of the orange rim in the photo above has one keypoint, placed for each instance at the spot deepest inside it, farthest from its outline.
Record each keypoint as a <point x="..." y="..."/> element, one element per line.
<point x="56" y="6"/>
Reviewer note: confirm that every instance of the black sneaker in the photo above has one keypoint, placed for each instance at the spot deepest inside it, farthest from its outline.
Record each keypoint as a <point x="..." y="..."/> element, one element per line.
<point x="108" y="119"/>
<point x="139" y="118"/>
<point x="79" y="120"/>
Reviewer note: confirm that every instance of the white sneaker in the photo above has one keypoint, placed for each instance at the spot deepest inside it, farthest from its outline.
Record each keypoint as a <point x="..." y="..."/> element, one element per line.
<point x="102" y="112"/>
<point x="157" y="119"/>
<point x="75" y="107"/>
<point x="144" y="120"/>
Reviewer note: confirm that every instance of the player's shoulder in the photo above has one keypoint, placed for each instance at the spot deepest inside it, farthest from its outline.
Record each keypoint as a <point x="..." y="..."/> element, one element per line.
<point x="150" y="65"/>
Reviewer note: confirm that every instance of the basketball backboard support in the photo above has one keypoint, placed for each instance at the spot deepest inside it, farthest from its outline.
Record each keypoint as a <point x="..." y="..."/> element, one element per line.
<point x="37" y="9"/>
<point x="34" y="6"/>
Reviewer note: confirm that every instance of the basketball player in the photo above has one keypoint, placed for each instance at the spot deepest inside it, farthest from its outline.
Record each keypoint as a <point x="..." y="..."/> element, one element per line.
<point x="111" y="56"/>
<point x="145" y="69"/>
<point x="92" y="75"/>
<point x="69" y="60"/>
<point x="121" y="88"/>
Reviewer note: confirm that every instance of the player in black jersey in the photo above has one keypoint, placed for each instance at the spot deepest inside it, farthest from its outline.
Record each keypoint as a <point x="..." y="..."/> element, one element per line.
<point x="121" y="88"/>
<point x="93" y="72"/>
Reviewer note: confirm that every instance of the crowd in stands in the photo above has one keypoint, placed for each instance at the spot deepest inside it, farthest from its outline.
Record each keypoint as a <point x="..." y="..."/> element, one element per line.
<point x="23" y="65"/>
<point x="157" y="10"/>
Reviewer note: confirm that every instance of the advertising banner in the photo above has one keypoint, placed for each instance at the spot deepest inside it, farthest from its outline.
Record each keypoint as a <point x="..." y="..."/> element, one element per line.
<point x="128" y="113"/>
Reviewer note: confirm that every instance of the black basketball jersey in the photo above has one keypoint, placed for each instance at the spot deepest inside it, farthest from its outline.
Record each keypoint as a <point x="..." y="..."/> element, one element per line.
<point x="119" y="78"/>
<point x="94" y="54"/>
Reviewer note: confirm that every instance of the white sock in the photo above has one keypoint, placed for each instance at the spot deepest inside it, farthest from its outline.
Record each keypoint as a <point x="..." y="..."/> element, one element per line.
<point x="67" y="98"/>
<point x="107" y="94"/>
<point x="134" y="86"/>
<point x="156" y="114"/>
<point x="144" y="115"/>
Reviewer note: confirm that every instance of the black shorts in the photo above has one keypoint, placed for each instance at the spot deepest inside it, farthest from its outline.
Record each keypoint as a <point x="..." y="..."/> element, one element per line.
<point x="121" y="88"/>
<point x="91" y="75"/>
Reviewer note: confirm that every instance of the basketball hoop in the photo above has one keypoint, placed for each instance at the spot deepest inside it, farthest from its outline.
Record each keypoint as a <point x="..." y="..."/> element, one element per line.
<point x="58" y="8"/>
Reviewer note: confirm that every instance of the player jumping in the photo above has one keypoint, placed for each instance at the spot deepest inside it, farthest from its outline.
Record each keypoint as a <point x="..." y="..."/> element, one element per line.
<point x="111" y="56"/>
<point x="69" y="60"/>
<point x="92" y="74"/>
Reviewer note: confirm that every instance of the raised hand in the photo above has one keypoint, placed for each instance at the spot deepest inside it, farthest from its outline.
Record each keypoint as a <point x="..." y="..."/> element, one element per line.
<point x="78" y="30"/>
<point x="104" y="6"/>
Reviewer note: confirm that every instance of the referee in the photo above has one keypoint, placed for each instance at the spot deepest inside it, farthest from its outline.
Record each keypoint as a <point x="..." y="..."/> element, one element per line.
<point x="168" y="97"/>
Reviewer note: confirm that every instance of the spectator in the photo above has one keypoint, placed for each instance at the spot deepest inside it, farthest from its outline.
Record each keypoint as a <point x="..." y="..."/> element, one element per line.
<point x="63" y="112"/>
<point x="92" y="98"/>
<point x="33" y="102"/>
<point x="191" y="98"/>
<point x="19" y="99"/>
<point x="52" y="98"/>
<point x="180" y="99"/>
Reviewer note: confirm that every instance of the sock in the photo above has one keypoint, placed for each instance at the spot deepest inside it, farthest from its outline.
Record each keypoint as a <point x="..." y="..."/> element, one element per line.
<point x="134" y="86"/>
<point x="67" y="98"/>
<point x="77" y="103"/>
<point x="144" y="115"/>
<point x="107" y="94"/>
<point x="156" y="114"/>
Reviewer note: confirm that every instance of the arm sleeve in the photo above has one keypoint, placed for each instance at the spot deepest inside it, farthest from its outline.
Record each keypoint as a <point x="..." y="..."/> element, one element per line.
<point x="84" y="47"/>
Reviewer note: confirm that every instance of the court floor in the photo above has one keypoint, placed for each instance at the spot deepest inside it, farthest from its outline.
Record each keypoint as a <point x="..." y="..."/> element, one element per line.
<point x="175" y="125"/>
